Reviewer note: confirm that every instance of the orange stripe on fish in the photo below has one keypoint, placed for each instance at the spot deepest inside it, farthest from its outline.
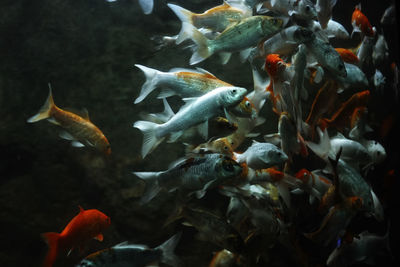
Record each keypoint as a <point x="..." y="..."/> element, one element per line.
<point x="347" y="55"/>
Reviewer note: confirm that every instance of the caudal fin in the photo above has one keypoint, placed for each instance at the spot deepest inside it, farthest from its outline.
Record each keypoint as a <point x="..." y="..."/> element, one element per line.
<point x="147" y="6"/>
<point x="167" y="248"/>
<point x="152" y="186"/>
<point x="52" y="242"/>
<point x="184" y="15"/>
<point x="202" y="51"/>
<point x="45" y="110"/>
<point x="150" y="140"/>
<point x="149" y="85"/>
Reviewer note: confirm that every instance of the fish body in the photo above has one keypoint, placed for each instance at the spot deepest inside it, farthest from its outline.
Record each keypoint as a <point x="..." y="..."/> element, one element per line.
<point x="86" y="225"/>
<point x="355" y="77"/>
<point x="324" y="11"/>
<point x="303" y="9"/>
<point x="364" y="52"/>
<point x="389" y="16"/>
<point x="191" y="175"/>
<point x="381" y="50"/>
<point x="81" y="131"/>
<point x="261" y="156"/>
<point x="199" y="110"/>
<point x="327" y="56"/>
<point x="181" y="82"/>
<point x="133" y="255"/>
<point x="242" y="35"/>
<point x="285" y="41"/>
<point x="217" y="18"/>
<point x="347" y="55"/>
<point x="315" y="185"/>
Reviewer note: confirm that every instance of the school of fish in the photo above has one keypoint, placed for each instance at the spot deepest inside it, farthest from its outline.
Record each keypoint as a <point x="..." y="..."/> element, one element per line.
<point x="306" y="183"/>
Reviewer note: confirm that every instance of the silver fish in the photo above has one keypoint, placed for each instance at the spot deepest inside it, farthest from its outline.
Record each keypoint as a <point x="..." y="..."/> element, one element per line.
<point x="324" y="11"/>
<point x="134" y="255"/>
<point x="191" y="175"/>
<point x="198" y="110"/>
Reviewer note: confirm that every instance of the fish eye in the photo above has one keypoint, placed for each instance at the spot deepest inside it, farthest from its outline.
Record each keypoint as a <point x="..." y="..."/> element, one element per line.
<point x="234" y="91"/>
<point x="225" y="148"/>
<point x="308" y="8"/>
<point x="227" y="166"/>
<point x="247" y="104"/>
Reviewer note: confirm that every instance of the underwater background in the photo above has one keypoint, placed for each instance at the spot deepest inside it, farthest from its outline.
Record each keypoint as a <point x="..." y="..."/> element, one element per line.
<point x="87" y="51"/>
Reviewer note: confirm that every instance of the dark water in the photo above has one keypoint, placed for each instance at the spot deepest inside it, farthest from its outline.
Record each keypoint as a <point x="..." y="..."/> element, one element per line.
<point x="87" y="51"/>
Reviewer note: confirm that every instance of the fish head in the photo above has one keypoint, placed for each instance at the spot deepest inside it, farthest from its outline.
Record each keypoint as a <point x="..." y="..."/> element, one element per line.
<point x="276" y="156"/>
<point x="274" y="64"/>
<point x="245" y="109"/>
<point x="303" y="175"/>
<point x="307" y="10"/>
<point x="302" y="34"/>
<point x="231" y="96"/>
<point x="227" y="167"/>
<point x="376" y="151"/>
<point x="270" y="25"/>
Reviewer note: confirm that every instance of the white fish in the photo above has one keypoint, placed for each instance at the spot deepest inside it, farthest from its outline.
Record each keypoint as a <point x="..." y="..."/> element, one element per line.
<point x="355" y="78"/>
<point x="379" y="80"/>
<point x="381" y="51"/>
<point x="196" y="111"/>
<point x="324" y="11"/>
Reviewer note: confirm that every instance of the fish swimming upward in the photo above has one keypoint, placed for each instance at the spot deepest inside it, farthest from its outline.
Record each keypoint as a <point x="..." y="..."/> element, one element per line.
<point x="86" y="225"/>
<point x="80" y="130"/>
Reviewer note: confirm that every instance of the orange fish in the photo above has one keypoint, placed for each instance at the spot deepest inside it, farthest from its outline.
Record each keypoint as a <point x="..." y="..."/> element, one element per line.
<point x="274" y="65"/>
<point x="342" y="118"/>
<point x="361" y="23"/>
<point x="79" y="129"/>
<point x="86" y="225"/>
<point x="347" y="55"/>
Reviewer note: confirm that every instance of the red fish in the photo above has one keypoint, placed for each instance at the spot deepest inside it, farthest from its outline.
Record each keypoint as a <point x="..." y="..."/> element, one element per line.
<point x="361" y="23"/>
<point x="347" y="55"/>
<point x="86" y="225"/>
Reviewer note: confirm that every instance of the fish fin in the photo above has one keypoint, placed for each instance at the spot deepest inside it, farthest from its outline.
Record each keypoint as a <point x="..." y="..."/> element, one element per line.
<point x="252" y="135"/>
<point x="321" y="149"/>
<point x="67" y="136"/>
<point x="150" y="140"/>
<point x="99" y="237"/>
<point x="80" y="209"/>
<point x="150" y="84"/>
<point x="77" y="144"/>
<point x="147" y="6"/>
<point x="230" y="117"/>
<point x="52" y="242"/>
<point x="167" y="248"/>
<point x="166" y="92"/>
<point x="378" y="209"/>
<point x="203" y="129"/>
<point x="244" y="54"/>
<point x="183" y="14"/>
<point x="225" y="56"/>
<point x="53" y="121"/>
<point x="274" y="138"/>
<point x="44" y="112"/>
<point x="152" y="186"/>
<point x="166" y="115"/>
<point x="203" y="51"/>
<point x="284" y="193"/>
<point x="297" y="191"/>
<point x="319" y="75"/>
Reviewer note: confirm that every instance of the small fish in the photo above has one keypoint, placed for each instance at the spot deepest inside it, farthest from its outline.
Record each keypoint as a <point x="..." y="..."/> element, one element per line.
<point x="361" y="23"/>
<point x="367" y="248"/>
<point x="261" y="156"/>
<point x="333" y="30"/>
<point x="381" y="51"/>
<point x="315" y="185"/>
<point x="204" y="107"/>
<point x="324" y="11"/>
<point x="134" y="255"/>
<point x="220" y="145"/>
<point x="379" y="81"/>
<point x="303" y="9"/>
<point x="347" y="55"/>
<point x="86" y="225"/>
<point x="191" y="175"/>
<point x="239" y="36"/>
<point x="217" y="18"/>
<point x="80" y="130"/>
<point x="364" y="52"/>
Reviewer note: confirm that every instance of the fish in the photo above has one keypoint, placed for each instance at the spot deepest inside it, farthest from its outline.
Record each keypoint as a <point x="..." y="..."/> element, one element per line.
<point x="347" y="55"/>
<point x="365" y="248"/>
<point x="135" y="255"/>
<point x="83" y="227"/>
<point x="193" y="175"/>
<point x="216" y="19"/>
<point x="240" y="36"/>
<point x="364" y="52"/>
<point x="361" y="23"/>
<point x="356" y="78"/>
<point x="314" y="184"/>
<point x="381" y="51"/>
<point x="261" y="156"/>
<point x="205" y="107"/>
<point x="78" y="129"/>
<point x="379" y="80"/>
<point x="303" y="9"/>
<point x="324" y="11"/>
<point x="220" y="145"/>
<point x="333" y="30"/>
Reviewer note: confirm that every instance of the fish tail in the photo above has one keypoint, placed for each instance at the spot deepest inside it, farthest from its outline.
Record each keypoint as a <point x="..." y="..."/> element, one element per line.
<point x="184" y="15"/>
<point x="152" y="186"/>
<point x="45" y="110"/>
<point x="150" y="140"/>
<point x="147" y="6"/>
<point x="52" y="242"/>
<point x="321" y="149"/>
<point x="167" y="248"/>
<point x="203" y="51"/>
<point x="150" y="84"/>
